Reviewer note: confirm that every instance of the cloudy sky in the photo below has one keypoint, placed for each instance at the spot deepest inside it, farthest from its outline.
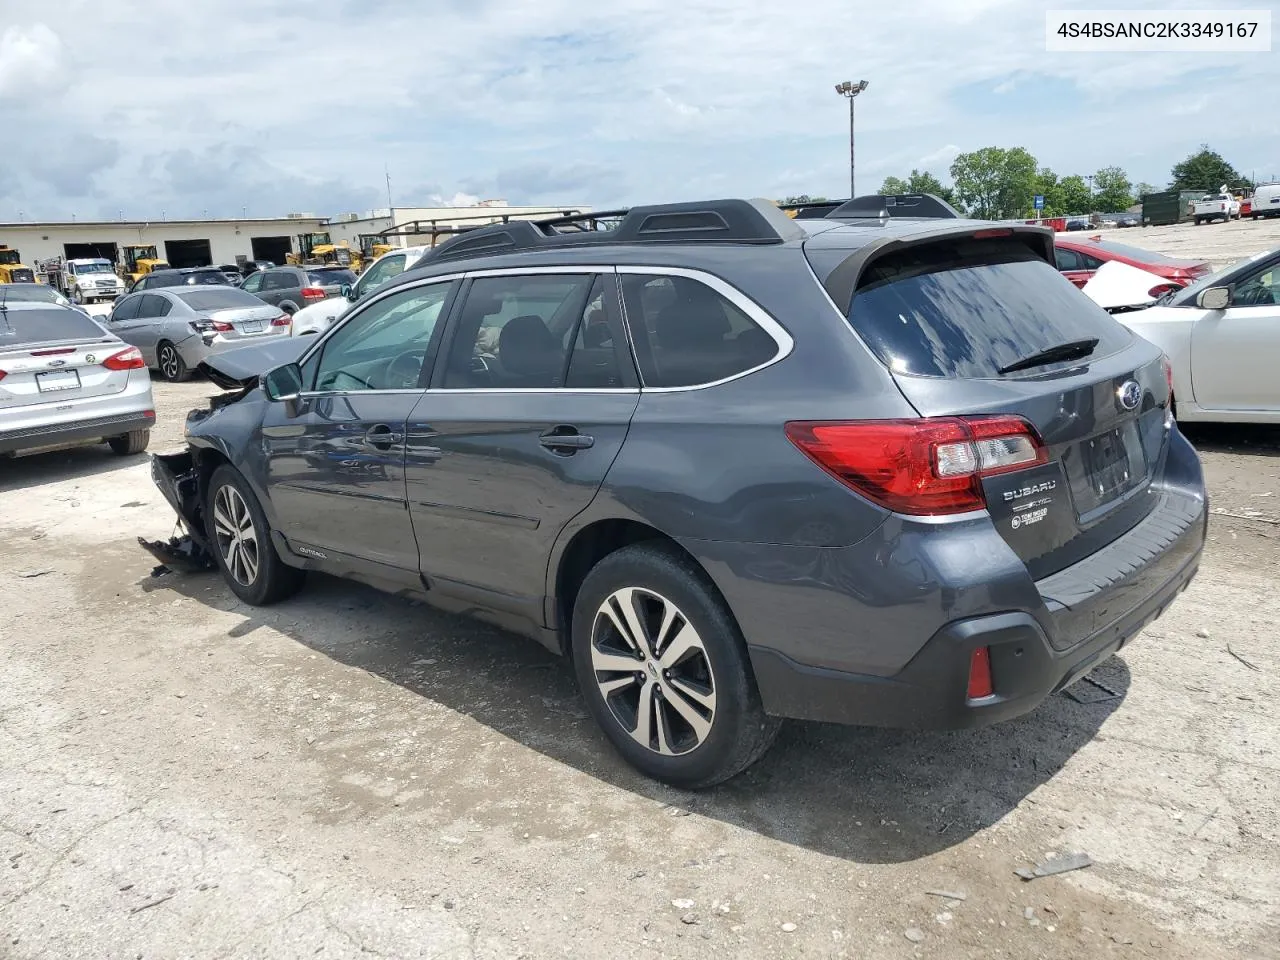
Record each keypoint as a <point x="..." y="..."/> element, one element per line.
<point x="272" y="106"/>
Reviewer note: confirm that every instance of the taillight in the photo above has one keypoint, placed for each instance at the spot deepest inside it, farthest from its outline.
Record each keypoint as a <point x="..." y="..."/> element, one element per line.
<point x="3" y="374"/>
<point x="282" y="321"/>
<point x="130" y="359"/>
<point x="923" y="467"/>
<point x="980" y="685"/>
<point x="313" y="293"/>
<point x="221" y="326"/>
<point x="1168" y="372"/>
<point x="1160" y="289"/>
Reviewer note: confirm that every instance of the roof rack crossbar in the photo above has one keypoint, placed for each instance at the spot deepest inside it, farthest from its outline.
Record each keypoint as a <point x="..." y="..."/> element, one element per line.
<point x="716" y="221"/>
<point x="878" y="206"/>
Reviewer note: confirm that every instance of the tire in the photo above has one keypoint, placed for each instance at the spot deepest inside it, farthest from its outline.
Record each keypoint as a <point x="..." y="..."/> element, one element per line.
<point x="133" y="442"/>
<point x="289" y="307"/>
<point x="1198" y="221"/>
<point x="77" y="296"/>
<point x="172" y="367"/>
<point x="254" y="571"/>
<point x="733" y="732"/>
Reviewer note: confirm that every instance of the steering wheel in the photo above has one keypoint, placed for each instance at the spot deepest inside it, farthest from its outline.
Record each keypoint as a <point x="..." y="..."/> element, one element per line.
<point x="403" y="372"/>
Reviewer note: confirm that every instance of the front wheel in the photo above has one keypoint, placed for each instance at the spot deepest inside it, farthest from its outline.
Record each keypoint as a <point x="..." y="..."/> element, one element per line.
<point x="76" y="295"/>
<point x="242" y="544"/>
<point x="664" y="669"/>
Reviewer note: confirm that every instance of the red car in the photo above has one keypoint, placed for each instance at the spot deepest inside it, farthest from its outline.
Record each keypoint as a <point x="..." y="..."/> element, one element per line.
<point x="1079" y="257"/>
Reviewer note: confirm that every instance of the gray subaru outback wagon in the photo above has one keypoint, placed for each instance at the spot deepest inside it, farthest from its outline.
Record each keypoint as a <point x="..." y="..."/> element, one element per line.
<point x="876" y="464"/>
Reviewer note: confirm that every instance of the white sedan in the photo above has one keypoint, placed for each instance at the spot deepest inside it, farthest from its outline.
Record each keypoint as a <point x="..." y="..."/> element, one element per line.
<point x="1222" y="337"/>
<point x="319" y="317"/>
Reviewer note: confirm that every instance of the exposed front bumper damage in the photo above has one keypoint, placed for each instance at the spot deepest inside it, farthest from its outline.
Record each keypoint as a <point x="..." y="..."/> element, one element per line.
<point x="179" y="480"/>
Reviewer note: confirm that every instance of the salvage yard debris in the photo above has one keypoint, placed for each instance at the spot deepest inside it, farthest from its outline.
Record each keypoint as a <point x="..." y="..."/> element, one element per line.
<point x="1055" y="865"/>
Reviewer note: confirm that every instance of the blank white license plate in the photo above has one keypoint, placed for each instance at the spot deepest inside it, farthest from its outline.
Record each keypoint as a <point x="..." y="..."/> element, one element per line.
<point x="58" y="380"/>
<point x="253" y="326"/>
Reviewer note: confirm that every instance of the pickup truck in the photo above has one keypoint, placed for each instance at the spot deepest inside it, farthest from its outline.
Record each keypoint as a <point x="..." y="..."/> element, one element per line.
<point x="1214" y="206"/>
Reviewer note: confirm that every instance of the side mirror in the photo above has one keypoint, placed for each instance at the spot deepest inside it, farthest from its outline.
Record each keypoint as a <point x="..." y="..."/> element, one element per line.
<point x="282" y="383"/>
<point x="347" y="291"/>
<point x="1214" y="298"/>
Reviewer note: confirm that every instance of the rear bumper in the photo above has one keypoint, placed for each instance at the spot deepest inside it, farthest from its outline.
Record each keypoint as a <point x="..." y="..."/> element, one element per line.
<point x="60" y="434"/>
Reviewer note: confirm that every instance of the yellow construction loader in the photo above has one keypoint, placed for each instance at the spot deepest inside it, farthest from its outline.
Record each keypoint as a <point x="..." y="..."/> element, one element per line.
<point x="12" y="269"/>
<point x="139" y="260"/>
<point x="315" y="249"/>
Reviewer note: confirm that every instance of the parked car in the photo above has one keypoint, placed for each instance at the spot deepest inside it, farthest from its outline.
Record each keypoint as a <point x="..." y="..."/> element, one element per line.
<point x="1266" y="201"/>
<point x="319" y="317"/>
<point x="37" y="293"/>
<point x="64" y="380"/>
<point x="292" y="288"/>
<point x="253" y="266"/>
<point x="231" y="272"/>
<point x="1078" y="223"/>
<point x="1216" y="206"/>
<point x="178" y="277"/>
<point x="1128" y="220"/>
<point x="1079" y="258"/>
<point x="1222" y="337"/>
<point x="707" y="455"/>
<point x="177" y="328"/>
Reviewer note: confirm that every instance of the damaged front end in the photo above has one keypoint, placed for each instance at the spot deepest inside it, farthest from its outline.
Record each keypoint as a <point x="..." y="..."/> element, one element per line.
<point x="178" y="478"/>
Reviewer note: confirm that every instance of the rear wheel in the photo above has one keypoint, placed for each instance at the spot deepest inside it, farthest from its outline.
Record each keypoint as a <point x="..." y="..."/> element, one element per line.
<point x="664" y="669"/>
<point x="172" y="367"/>
<point x="135" y="441"/>
<point x="289" y="308"/>
<point x="242" y="544"/>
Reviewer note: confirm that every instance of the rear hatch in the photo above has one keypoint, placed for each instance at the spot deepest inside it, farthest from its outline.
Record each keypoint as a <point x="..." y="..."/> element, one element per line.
<point x="983" y="326"/>
<point x="52" y="355"/>
<point x="330" y="279"/>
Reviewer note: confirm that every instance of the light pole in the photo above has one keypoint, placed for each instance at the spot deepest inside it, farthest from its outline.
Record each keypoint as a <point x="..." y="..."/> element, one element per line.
<point x="850" y="90"/>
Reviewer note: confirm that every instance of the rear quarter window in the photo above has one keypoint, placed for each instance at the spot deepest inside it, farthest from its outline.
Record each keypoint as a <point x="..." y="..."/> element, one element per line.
<point x="966" y="311"/>
<point x="686" y="334"/>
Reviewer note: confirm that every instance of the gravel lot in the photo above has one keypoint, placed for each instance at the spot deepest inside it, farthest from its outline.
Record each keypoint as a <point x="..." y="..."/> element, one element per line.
<point x="351" y="774"/>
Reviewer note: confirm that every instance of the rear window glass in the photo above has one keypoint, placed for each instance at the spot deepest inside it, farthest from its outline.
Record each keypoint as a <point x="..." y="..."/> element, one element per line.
<point x="32" y="292"/>
<point x="330" y="278"/>
<point x="218" y="299"/>
<point x="966" y="312"/>
<point x="41" y="325"/>
<point x="687" y="334"/>
<point x="206" y="276"/>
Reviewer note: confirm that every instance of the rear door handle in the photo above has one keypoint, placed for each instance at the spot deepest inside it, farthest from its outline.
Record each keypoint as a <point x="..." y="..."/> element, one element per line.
<point x="566" y="440"/>
<point x="382" y="437"/>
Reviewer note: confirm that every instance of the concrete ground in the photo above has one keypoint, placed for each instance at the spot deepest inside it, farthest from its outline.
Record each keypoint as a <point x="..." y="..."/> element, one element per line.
<point x="1219" y="243"/>
<point x="350" y="774"/>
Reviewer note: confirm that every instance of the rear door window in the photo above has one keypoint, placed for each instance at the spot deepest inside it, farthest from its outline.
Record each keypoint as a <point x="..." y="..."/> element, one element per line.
<point x="966" y="310"/>
<point x="687" y="334"/>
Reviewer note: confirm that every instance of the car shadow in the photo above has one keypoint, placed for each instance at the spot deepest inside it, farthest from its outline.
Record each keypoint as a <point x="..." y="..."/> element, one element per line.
<point x="37" y="469"/>
<point x="861" y="794"/>
<point x="1258" y="439"/>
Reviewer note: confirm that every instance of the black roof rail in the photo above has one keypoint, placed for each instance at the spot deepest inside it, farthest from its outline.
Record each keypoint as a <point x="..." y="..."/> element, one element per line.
<point x="713" y="221"/>
<point x="878" y="206"/>
<point x="811" y="210"/>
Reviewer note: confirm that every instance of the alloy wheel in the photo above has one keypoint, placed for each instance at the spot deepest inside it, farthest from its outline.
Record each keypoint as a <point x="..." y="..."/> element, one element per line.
<point x="236" y="535"/>
<point x="652" y="670"/>
<point x="169" y="362"/>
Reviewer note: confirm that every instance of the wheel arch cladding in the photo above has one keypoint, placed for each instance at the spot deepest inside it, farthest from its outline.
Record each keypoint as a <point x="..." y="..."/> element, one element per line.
<point x="592" y="544"/>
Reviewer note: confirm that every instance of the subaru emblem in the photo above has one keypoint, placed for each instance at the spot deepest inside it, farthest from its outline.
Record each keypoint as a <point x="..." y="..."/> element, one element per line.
<point x="1130" y="394"/>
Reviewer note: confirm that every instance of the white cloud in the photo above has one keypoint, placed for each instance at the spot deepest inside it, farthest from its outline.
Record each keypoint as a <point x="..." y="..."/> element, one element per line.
<point x="558" y="101"/>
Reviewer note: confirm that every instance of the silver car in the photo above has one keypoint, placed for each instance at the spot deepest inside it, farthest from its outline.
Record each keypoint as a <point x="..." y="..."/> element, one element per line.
<point x="64" y="380"/>
<point x="176" y="328"/>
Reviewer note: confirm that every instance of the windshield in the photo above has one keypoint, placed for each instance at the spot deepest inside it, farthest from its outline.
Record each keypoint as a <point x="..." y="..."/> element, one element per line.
<point x="9" y="256"/>
<point x="968" y="310"/>
<point x="24" y="327"/>
<point x="218" y="299"/>
<point x="96" y="267"/>
<point x="1186" y="297"/>
<point x="32" y="293"/>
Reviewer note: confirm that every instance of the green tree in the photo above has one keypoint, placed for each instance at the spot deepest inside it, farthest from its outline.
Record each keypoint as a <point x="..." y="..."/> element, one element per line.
<point x="1142" y="189"/>
<point x="918" y="182"/>
<point x="1113" y="193"/>
<point x="1046" y="184"/>
<point x="995" y="183"/>
<point x="799" y="200"/>
<point x="1074" y="196"/>
<point x="1206" y="171"/>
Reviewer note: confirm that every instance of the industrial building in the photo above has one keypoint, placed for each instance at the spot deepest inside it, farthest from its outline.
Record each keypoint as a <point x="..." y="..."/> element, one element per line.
<point x="196" y="243"/>
<point x="183" y="243"/>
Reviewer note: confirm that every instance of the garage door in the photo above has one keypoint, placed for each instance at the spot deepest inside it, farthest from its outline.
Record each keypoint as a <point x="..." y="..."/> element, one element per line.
<point x="188" y="253"/>
<point x="271" y="248"/>
<point x="90" y="251"/>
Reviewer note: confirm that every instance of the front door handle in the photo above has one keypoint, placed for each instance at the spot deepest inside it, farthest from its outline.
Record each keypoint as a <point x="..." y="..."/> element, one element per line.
<point x="566" y="440"/>
<point x="382" y="437"/>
